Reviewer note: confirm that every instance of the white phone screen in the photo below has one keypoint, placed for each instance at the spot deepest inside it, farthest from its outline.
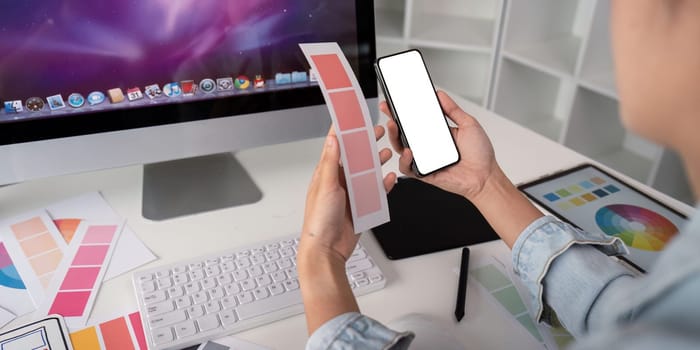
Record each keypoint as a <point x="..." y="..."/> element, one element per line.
<point x="415" y="105"/>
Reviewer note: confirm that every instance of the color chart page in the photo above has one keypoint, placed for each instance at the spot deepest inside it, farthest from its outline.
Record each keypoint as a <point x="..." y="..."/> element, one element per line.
<point x="596" y="202"/>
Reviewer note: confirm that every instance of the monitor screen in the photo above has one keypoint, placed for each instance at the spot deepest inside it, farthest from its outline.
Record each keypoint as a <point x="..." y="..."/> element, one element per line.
<point x="73" y="68"/>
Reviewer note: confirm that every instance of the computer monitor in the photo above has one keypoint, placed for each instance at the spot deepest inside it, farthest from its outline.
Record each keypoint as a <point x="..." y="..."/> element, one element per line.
<point x="102" y="84"/>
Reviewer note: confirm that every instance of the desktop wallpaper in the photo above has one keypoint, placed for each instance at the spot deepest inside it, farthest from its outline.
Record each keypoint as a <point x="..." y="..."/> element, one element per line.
<point x="51" y="47"/>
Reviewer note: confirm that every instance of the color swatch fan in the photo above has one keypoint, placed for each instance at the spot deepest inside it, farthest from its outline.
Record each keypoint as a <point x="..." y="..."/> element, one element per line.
<point x="638" y="227"/>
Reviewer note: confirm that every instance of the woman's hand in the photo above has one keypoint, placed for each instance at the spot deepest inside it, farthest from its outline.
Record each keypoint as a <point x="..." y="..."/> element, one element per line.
<point x="477" y="161"/>
<point x="328" y="225"/>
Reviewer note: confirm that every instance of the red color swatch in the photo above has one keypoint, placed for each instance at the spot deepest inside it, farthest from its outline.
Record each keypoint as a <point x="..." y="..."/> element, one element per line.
<point x="115" y="334"/>
<point x="358" y="151"/>
<point x="69" y="304"/>
<point x="366" y="194"/>
<point x="331" y="71"/>
<point x="347" y="110"/>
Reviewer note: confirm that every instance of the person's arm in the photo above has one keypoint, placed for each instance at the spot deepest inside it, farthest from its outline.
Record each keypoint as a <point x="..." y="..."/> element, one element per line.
<point x="327" y="241"/>
<point x="477" y="176"/>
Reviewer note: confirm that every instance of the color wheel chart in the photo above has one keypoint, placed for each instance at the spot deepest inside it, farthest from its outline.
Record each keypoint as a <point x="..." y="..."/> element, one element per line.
<point x="638" y="227"/>
<point x="9" y="277"/>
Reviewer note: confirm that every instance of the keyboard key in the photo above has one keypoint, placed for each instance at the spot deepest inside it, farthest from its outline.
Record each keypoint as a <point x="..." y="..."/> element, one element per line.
<point x="162" y="273"/>
<point x="375" y="277"/>
<point x="272" y="255"/>
<point x="185" y="329"/>
<point x="257" y="259"/>
<point x="356" y="266"/>
<point x="276" y="289"/>
<point x="179" y="269"/>
<point x="240" y="275"/>
<point x="261" y="293"/>
<point x="154" y="297"/>
<point x="228" y="317"/>
<point x="242" y="263"/>
<point x="148" y="287"/>
<point x="208" y="283"/>
<point x="212" y="270"/>
<point x="228" y="302"/>
<point x="255" y="271"/>
<point x="195" y="311"/>
<point x="362" y="282"/>
<point x="199" y="297"/>
<point x="286" y="252"/>
<point x="357" y="275"/>
<point x="291" y="284"/>
<point x="208" y="322"/>
<point x="357" y="255"/>
<point x="287" y="242"/>
<point x="257" y="250"/>
<point x="183" y="302"/>
<point x="243" y="254"/>
<point x="216" y="293"/>
<point x="167" y="319"/>
<point x="244" y="298"/>
<point x="212" y="306"/>
<point x="248" y="284"/>
<point x="197" y="274"/>
<point x="270" y="267"/>
<point x="232" y="289"/>
<point x="197" y="265"/>
<point x="192" y="287"/>
<point x="162" y="336"/>
<point x="278" y="276"/>
<point x="263" y="280"/>
<point x="285" y="264"/>
<point x="228" y="266"/>
<point x="292" y="273"/>
<point x="268" y="305"/>
<point x="212" y="261"/>
<point x="165" y="283"/>
<point x="160" y="308"/>
<point x="174" y="292"/>
<point x="146" y="277"/>
<point x="180" y="278"/>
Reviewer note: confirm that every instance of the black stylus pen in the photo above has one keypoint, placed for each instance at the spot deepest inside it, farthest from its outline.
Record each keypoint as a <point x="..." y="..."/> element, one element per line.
<point x="462" y="289"/>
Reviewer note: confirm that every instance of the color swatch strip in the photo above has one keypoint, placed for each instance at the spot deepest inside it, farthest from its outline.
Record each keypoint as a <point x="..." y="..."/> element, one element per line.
<point x="581" y="193"/>
<point x="36" y="248"/>
<point x="74" y="289"/>
<point x="355" y="132"/>
<point x="122" y="333"/>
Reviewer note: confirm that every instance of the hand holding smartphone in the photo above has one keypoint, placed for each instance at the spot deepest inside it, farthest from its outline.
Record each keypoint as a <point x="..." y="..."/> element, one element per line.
<point x="411" y="96"/>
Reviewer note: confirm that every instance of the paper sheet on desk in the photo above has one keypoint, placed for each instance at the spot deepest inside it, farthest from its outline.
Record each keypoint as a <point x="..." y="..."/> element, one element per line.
<point x="130" y="252"/>
<point x="494" y="274"/>
<point x="353" y="127"/>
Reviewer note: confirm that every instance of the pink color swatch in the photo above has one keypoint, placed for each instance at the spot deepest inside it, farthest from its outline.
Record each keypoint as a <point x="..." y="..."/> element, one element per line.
<point x="100" y="234"/>
<point x="347" y="110"/>
<point x="366" y="194"/>
<point x="69" y="304"/>
<point x="360" y="159"/>
<point x="115" y="334"/>
<point x="80" y="278"/>
<point x="331" y="70"/>
<point x="90" y="255"/>
<point x="135" y="319"/>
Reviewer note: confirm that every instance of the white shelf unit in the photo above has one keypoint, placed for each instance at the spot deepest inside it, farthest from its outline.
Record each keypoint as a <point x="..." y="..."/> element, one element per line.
<point x="458" y="39"/>
<point x="545" y="64"/>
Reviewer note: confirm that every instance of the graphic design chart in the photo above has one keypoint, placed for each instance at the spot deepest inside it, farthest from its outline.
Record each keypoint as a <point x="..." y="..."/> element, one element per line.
<point x="122" y="333"/>
<point x="9" y="277"/>
<point x="580" y="194"/>
<point x="40" y="246"/>
<point x="355" y="132"/>
<point x="638" y="227"/>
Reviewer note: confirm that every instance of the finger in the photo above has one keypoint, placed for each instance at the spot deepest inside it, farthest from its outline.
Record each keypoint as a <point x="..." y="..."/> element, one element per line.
<point x="405" y="163"/>
<point x="384" y="155"/>
<point x="394" y="137"/>
<point x="328" y="165"/>
<point x="379" y="132"/>
<point x="384" y="107"/>
<point x="389" y="181"/>
<point x="452" y="110"/>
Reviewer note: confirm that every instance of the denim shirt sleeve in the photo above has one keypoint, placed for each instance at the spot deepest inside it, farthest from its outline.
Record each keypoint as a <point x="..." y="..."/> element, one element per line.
<point x="547" y="239"/>
<point x="353" y="330"/>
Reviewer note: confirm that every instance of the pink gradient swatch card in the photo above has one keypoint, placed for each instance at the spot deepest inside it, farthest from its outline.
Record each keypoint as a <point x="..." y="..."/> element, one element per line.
<point x="36" y="249"/>
<point x="78" y="278"/>
<point x="355" y="131"/>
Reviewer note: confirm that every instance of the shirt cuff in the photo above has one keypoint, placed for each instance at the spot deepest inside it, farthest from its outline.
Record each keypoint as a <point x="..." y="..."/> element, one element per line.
<point x="543" y="241"/>
<point x="353" y="330"/>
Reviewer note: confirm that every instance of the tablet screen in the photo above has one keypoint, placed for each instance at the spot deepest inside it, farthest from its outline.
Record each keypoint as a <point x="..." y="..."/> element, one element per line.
<point x="593" y="200"/>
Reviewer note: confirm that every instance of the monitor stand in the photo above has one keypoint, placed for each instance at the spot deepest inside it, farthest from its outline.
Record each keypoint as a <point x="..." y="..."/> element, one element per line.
<point x="194" y="185"/>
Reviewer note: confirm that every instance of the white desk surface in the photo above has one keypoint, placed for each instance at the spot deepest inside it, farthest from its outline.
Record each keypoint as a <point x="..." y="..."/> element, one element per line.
<point x="425" y="284"/>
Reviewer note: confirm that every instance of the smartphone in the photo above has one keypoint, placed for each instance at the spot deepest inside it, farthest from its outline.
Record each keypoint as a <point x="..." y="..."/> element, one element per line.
<point x="411" y="96"/>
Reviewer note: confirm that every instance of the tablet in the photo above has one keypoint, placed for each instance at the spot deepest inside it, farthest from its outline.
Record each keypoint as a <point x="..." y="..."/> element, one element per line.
<point x="593" y="200"/>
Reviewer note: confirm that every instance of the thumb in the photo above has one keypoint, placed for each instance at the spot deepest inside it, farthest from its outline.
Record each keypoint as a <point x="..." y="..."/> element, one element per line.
<point x="452" y="110"/>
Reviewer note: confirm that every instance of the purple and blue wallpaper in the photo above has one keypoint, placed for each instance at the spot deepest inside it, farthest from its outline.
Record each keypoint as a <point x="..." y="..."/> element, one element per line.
<point x="51" y="47"/>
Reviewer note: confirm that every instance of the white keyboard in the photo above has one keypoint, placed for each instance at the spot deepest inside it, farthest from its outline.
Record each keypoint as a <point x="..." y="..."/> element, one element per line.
<point x="192" y="301"/>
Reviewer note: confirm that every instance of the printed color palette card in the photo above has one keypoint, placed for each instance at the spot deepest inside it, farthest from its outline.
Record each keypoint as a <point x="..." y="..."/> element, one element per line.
<point x="121" y="333"/>
<point x="78" y="278"/>
<point x="35" y="248"/>
<point x="355" y="132"/>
